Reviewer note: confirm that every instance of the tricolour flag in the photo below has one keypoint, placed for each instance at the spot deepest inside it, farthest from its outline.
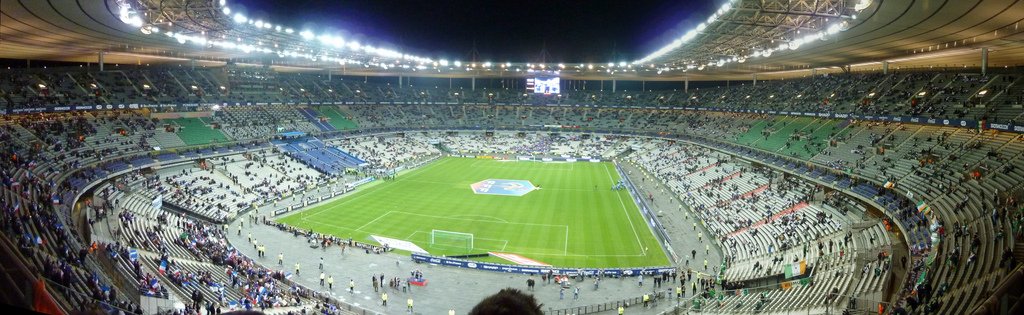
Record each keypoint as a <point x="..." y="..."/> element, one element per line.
<point x="163" y="266"/>
<point x="923" y="207"/>
<point x="795" y="270"/>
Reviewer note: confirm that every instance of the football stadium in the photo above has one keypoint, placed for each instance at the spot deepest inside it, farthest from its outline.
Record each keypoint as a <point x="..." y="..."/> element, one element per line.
<point x="687" y="157"/>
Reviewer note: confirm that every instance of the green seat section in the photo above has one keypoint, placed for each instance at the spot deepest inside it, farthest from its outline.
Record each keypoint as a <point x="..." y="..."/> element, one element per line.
<point x="193" y="131"/>
<point x="337" y="119"/>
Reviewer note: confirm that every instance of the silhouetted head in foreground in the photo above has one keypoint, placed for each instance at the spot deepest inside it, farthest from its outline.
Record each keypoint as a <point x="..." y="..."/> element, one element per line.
<point x="507" y="301"/>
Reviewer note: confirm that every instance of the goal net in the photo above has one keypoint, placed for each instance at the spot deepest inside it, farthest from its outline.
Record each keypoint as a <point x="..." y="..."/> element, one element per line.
<point x="451" y="240"/>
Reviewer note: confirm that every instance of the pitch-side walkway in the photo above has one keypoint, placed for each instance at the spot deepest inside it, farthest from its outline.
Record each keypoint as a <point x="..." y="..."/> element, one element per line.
<point x="447" y="287"/>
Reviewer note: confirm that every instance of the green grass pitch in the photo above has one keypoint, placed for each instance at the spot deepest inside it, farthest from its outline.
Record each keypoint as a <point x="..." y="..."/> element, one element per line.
<point x="566" y="223"/>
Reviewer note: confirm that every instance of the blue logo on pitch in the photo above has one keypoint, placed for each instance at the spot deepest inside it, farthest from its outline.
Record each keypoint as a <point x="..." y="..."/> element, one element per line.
<point x="503" y="187"/>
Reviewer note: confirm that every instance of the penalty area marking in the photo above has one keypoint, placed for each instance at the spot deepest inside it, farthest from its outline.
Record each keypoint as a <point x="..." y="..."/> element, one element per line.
<point x="485" y="164"/>
<point x="349" y="229"/>
<point x="493" y="221"/>
<point x="480" y="216"/>
<point x="374" y="220"/>
<point x="566" y="227"/>
<point x="410" y="236"/>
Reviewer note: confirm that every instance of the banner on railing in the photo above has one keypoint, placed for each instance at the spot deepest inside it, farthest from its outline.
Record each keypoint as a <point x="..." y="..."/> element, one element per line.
<point x="451" y="262"/>
<point x="359" y="182"/>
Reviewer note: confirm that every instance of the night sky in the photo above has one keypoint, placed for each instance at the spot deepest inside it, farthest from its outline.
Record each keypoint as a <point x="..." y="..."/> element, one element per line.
<point x="571" y="31"/>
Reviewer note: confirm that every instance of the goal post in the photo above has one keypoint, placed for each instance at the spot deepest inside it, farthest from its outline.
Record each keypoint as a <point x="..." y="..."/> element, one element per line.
<point x="451" y="239"/>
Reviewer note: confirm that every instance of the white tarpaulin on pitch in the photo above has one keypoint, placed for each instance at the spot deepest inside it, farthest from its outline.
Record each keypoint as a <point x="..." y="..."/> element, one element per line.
<point x="398" y="244"/>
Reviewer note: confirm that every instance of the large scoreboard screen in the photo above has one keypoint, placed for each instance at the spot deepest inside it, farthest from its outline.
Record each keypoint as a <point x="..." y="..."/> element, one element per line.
<point x="543" y="85"/>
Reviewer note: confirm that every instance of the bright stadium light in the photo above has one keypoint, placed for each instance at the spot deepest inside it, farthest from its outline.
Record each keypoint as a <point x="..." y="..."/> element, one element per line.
<point x="129" y="16"/>
<point x="375" y="55"/>
<point x="796" y="44"/>
<point x="833" y="29"/>
<point x="863" y="4"/>
<point x="337" y="42"/>
<point x="821" y="34"/>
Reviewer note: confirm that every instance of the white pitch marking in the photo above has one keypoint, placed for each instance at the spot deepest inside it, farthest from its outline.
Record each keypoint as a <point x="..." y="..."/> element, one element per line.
<point x="457" y="218"/>
<point x="566" y="249"/>
<point x="345" y="199"/>
<point x="637" y="235"/>
<point x="374" y="220"/>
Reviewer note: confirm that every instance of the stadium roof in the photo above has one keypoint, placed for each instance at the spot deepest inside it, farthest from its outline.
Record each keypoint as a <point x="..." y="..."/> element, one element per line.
<point x="773" y="38"/>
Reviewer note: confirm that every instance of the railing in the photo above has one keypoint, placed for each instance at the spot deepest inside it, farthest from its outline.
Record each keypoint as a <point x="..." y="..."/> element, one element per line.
<point x="120" y="280"/>
<point x="83" y="301"/>
<point x="1006" y="296"/>
<point x="858" y="305"/>
<point x="655" y="298"/>
<point x="17" y="276"/>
